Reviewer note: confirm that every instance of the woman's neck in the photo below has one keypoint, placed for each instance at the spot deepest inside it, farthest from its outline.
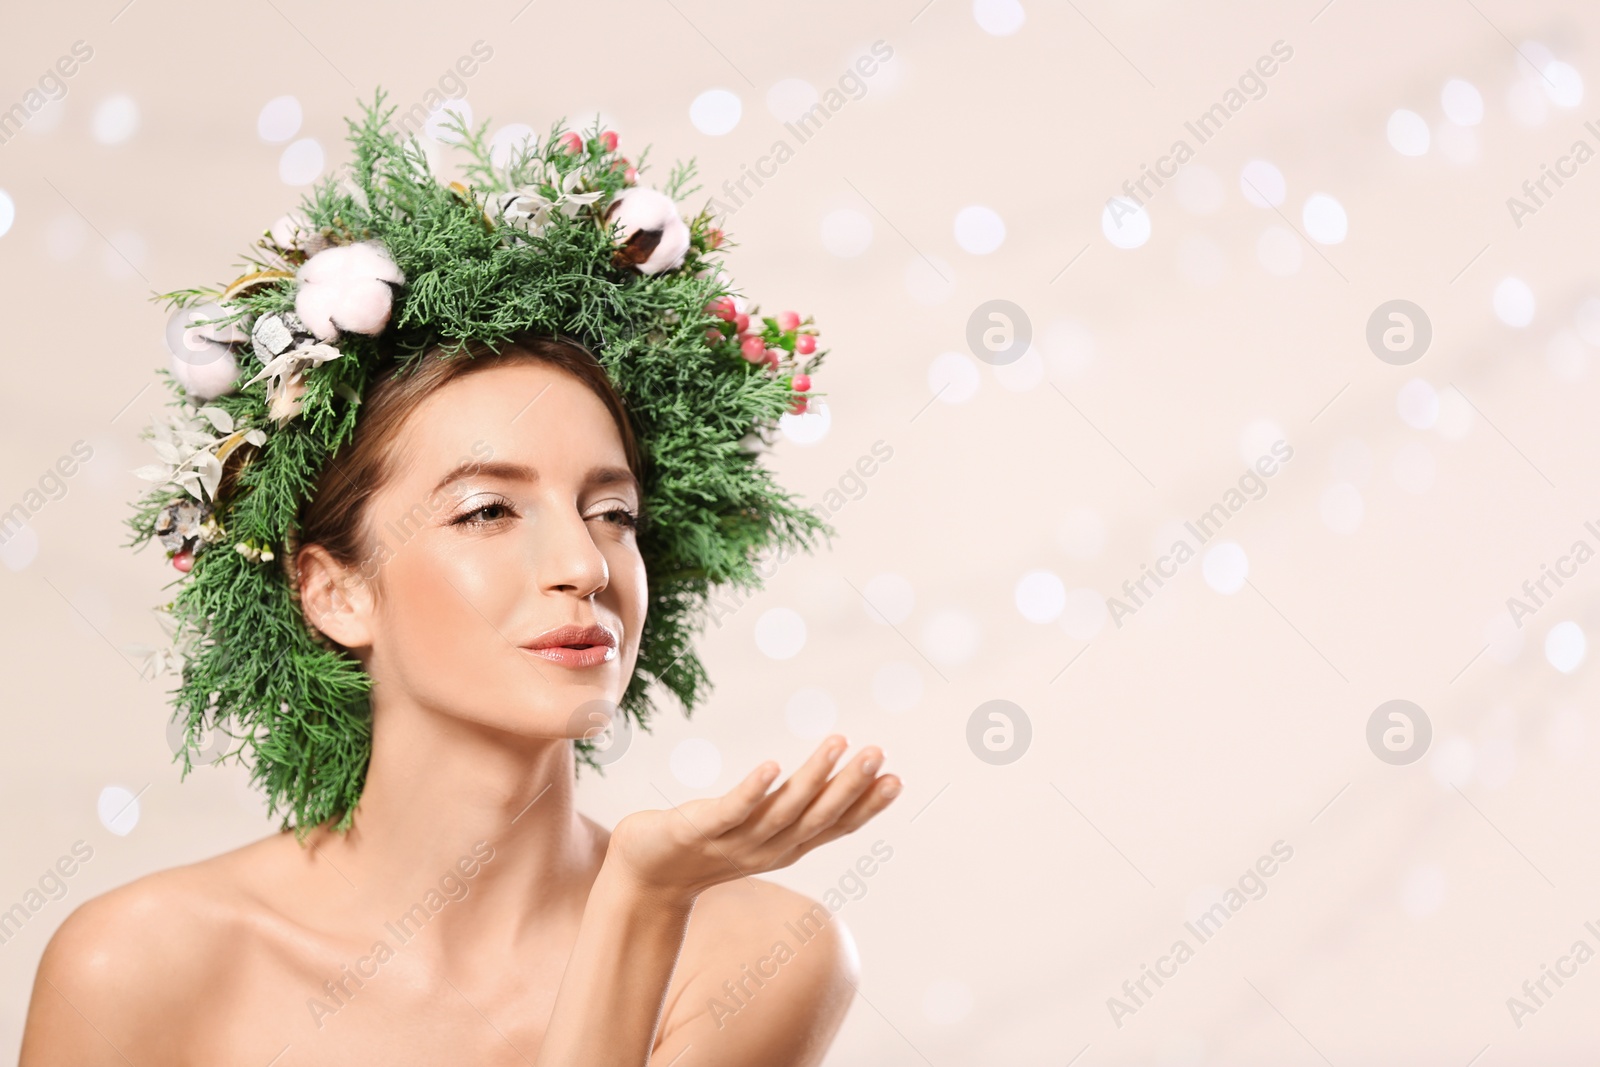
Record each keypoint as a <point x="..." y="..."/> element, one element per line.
<point x="444" y="797"/>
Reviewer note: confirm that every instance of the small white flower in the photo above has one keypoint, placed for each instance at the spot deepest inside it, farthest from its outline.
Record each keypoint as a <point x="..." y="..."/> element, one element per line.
<point x="530" y="208"/>
<point x="287" y="370"/>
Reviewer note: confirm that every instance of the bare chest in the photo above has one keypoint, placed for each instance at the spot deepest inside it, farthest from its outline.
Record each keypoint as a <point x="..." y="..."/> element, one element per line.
<point x="387" y="1002"/>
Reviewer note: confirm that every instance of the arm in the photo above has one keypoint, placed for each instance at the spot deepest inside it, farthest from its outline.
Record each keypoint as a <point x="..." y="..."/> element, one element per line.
<point x="658" y="863"/>
<point x="609" y="1003"/>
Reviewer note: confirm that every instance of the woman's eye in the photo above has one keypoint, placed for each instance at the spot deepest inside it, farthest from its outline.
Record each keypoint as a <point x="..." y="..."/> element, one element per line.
<point x="486" y="514"/>
<point x="618" y="517"/>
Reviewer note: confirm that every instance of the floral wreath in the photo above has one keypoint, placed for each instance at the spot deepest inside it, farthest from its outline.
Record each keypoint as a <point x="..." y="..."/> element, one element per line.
<point x="376" y="268"/>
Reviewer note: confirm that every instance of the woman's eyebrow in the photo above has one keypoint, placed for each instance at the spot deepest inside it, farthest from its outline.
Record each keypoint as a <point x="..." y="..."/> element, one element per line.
<point x="598" y="477"/>
<point x="488" y="469"/>
<point x="602" y="477"/>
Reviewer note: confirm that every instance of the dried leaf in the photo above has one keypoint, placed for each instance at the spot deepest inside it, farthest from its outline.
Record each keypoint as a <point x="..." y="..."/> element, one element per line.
<point x="218" y="418"/>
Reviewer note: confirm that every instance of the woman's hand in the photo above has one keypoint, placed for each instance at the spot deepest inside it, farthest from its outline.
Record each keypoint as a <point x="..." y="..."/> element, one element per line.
<point x="678" y="853"/>
<point x="658" y="862"/>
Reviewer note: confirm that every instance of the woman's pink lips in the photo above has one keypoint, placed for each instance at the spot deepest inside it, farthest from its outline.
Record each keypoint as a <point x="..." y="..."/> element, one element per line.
<point x="564" y="656"/>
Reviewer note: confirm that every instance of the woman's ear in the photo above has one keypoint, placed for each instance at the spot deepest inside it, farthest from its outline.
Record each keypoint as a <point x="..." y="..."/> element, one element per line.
<point x="334" y="599"/>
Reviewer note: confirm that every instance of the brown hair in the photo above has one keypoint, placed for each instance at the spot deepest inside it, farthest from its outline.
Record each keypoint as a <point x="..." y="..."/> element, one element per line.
<point x="334" y="517"/>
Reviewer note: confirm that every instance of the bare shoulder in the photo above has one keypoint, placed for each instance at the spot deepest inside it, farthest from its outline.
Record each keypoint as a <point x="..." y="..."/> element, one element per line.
<point x="125" y="964"/>
<point x="766" y="975"/>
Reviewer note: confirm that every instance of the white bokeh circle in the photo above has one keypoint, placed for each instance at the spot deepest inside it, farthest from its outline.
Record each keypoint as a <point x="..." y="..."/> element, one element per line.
<point x="999" y="18"/>
<point x="116" y="119"/>
<point x="1225" y="567"/>
<point x="1262" y="183"/>
<point x="979" y="229"/>
<point x="1408" y="133"/>
<point x="809" y="426"/>
<point x="1417" y="402"/>
<point x="1124" y="223"/>
<point x="788" y="99"/>
<point x="1463" y="104"/>
<point x="846" y="232"/>
<point x="954" y="377"/>
<point x="1040" y="596"/>
<point x="811" y="713"/>
<point x="1565" y="646"/>
<point x="890" y="598"/>
<point x="1325" y="219"/>
<point x="1513" y="302"/>
<point x="780" y="633"/>
<point x="118" y="809"/>
<point x="950" y="636"/>
<point x="696" y="762"/>
<point x="301" y="162"/>
<point x="279" y="119"/>
<point x="716" y="111"/>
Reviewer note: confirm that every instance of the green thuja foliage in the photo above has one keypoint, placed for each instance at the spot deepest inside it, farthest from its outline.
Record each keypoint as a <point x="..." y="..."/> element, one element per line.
<point x="296" y="707"/>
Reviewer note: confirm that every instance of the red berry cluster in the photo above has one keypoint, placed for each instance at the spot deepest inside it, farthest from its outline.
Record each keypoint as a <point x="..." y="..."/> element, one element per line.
<point x="767" y="344"/>
<point x="573" y="145"/>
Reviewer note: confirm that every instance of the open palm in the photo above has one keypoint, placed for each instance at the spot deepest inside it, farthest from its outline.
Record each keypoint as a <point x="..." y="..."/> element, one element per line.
<point x="747" y="830"/>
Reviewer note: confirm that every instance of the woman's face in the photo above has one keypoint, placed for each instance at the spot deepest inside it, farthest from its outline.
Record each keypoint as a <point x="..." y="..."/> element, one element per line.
<point x="509" y="514"/>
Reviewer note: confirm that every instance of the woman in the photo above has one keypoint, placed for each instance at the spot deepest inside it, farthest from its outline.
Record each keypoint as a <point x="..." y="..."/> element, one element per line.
<point x="474" y="546"/>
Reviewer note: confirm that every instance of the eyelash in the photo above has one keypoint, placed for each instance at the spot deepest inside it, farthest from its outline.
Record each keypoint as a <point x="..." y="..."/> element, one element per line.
<point x="630" y="519"/>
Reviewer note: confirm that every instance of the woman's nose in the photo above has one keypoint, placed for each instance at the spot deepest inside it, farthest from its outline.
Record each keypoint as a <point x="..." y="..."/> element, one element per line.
<point x="566" y="558"/>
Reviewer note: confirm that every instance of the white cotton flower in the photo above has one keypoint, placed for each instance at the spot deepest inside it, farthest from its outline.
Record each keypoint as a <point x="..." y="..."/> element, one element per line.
<point x="652" y="235"/>
<point x="347" y="288"/>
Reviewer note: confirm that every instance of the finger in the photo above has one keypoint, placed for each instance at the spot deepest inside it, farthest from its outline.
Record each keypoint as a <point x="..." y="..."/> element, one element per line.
<point x="785" y="805"/>
<point x="841" y="792"/>
<point x="869" y="804"/>
<point x="734" y="807"/>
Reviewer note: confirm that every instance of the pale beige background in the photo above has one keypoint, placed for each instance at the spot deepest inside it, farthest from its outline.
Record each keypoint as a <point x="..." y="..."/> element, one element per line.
<point x="1177" y="748"/>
